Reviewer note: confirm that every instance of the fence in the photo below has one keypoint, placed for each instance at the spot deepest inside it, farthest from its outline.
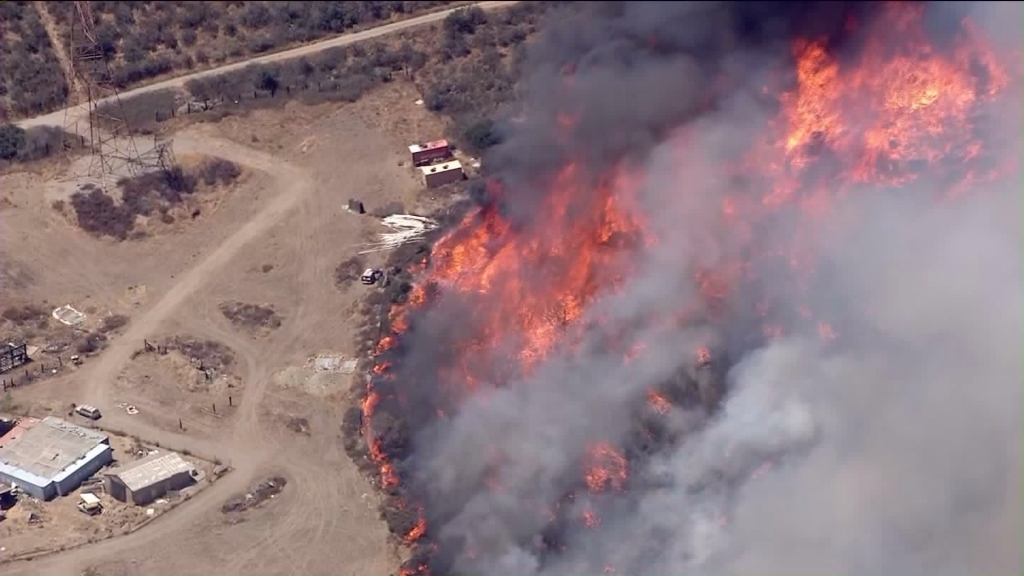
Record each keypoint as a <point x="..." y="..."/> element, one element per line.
<point x="30" y="375"/>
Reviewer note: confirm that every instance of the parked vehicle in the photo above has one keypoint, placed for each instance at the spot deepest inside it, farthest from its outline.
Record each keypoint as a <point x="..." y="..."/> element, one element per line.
<point x="371" y="276"/>
<point x="89" y="411"/>
<point x="89" y="504"/>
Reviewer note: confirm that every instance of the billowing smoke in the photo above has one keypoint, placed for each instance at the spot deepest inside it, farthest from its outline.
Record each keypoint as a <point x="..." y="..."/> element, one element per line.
<point x="878" y="432"/>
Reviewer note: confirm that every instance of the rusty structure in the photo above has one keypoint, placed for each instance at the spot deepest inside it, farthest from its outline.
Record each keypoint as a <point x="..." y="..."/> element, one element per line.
<point x="95" y="117"/>
<point x="12" y="356"/>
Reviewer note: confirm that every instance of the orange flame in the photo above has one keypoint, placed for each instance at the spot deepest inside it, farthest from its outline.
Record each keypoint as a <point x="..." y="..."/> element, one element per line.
<point x="417" y="531"/>
<point x="605" y="468"/>
<point x="899" y="109"/>
<point x="658" y="403"/>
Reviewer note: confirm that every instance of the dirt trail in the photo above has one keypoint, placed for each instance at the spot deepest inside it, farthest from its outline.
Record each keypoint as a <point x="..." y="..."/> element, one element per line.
<point x="57" y="118"/>
<point x="59" y="46"/>
<point x="99" y="377"/>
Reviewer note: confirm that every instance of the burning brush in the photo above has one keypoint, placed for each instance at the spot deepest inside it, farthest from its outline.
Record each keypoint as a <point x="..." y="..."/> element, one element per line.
<point x="579" y="331"/>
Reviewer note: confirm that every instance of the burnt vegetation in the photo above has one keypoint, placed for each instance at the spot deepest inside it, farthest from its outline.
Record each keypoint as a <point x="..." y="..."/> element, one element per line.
<point x="148" y="194"/>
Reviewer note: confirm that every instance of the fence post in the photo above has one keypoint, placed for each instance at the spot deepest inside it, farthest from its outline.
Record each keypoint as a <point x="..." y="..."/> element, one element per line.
<point x="230" y="402"/>
<point x="214" y="408"/>
<point x="189" y="104"/>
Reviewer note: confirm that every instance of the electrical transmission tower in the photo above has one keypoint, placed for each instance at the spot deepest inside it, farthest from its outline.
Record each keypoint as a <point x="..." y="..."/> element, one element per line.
<point x="96" y="117"/>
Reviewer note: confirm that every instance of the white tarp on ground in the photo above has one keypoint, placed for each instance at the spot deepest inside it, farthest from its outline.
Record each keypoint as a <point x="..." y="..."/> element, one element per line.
<point x="405" y="228"/>
<point x="68" y="316"/>
<point x="329" y="363"/>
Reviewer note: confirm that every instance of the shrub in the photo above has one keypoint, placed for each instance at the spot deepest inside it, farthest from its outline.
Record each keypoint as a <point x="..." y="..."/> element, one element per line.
<point x="464" y="21"/>
<point x="114" y="322"/>
<point x="349" y="271"/>
<point x="22" y="314"/>
<point x="250" y="315"/>
<point x="480" y="134"/>
<point x="97" y="214"/>
<point x="12" y="141"/>
<point x="218" y="171"/>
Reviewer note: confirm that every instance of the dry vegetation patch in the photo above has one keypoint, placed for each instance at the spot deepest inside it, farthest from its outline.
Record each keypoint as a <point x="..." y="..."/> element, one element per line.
<point x="146" y="40"/>
<point x="349" y="271"/>
<point x="148" y="194"/>
<point x="210" y="353"/>
<point x="31" y="78"/>
<point x="251" y="317"/>
<point x="466" y="76"/>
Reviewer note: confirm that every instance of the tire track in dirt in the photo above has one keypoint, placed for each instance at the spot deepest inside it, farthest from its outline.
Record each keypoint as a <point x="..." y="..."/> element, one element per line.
<point x="294" y="185"/>
<point x="99" y="377"/>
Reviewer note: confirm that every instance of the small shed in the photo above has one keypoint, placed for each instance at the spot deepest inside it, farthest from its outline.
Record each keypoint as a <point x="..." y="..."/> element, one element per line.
<point x="441" y="174"/>
<point x="429" y="152"/>
<point x="146" y="480"/>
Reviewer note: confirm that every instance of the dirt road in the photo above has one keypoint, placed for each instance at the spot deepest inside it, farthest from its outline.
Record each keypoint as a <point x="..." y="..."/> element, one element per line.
<point x="57" y="118"/>
<point x="293" y="185"/>
<point x="278" y="243"/>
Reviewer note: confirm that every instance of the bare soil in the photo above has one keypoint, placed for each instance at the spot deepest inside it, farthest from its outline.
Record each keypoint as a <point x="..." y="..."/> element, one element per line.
<point x="276" y="238"/>
<point x="32" y="526"/>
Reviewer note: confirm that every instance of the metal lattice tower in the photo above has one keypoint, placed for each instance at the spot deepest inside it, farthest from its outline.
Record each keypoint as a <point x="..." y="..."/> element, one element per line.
<point x="96" y="116"/>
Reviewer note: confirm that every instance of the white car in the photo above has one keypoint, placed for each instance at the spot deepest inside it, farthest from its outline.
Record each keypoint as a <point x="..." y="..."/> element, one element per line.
<point x="371" y="276"/>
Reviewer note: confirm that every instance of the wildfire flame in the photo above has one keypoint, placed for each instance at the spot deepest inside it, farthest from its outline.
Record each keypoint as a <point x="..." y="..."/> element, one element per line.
<point x="900" y="109"/>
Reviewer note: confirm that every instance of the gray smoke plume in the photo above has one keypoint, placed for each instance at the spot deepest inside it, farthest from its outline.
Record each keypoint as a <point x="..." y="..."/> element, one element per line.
<point x="894" y="449"/>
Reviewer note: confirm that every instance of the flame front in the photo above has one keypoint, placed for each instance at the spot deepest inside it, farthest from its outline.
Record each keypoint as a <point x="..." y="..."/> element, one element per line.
<point x="899" y="110"/>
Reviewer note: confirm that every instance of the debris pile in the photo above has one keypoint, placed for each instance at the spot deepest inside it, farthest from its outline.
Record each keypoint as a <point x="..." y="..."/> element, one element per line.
<point x="405" y="228"/>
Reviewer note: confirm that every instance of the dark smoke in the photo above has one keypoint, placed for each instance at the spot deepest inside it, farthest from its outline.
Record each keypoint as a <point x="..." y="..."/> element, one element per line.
<point x="894" y="449"/>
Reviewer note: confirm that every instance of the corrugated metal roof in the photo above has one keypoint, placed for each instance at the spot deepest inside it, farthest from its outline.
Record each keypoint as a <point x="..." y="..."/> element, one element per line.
<point x="152" y="469"/>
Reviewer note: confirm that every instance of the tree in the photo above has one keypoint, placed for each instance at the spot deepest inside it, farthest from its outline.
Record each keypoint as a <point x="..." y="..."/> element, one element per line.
<point x="267" y="81"/>
<point x="480" y="135"/>
<point x="464" y="21"/>
<point x="12" y="141"/>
